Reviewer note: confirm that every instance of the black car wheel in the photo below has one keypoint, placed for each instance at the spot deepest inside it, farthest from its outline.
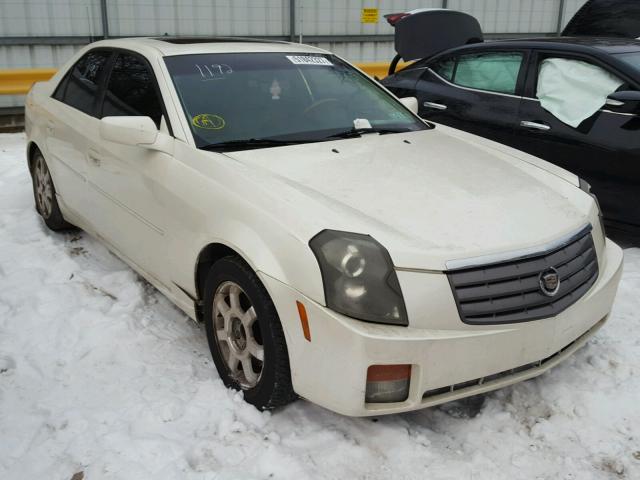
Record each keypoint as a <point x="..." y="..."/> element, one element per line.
<point x="245" y="335"/>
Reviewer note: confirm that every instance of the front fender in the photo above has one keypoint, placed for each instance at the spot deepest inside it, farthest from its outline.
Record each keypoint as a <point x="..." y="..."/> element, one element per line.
<point x="274" y="253"/>
<point x="211" y="202"/>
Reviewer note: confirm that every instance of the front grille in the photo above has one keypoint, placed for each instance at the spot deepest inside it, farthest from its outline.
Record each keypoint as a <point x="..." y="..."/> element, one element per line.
<point x="510" y="291"/>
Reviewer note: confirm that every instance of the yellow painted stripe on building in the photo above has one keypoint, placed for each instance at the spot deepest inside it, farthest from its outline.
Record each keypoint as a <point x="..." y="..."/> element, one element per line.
<point x="19" y="81"/>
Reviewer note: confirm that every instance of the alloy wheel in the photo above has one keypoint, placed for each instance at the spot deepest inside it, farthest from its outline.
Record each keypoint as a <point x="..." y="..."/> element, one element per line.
<point x="237" y="334"/>
<point x="43" y="187"/>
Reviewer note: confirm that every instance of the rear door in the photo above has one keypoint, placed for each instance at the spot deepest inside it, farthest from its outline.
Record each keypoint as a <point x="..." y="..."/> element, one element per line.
<point x="604" y="149"/>
<point x="474" y="91"/>
<point x="127" y="182"/>
<point x="73" y="122"/>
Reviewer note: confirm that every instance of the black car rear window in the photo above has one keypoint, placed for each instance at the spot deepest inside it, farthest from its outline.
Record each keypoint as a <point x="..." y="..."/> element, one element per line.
<point x="632" y="58"/>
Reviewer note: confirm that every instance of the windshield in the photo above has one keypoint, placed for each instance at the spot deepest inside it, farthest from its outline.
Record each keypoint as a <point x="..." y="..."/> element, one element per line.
<point x="280" y="97"/>
<point x="632" y="59"/>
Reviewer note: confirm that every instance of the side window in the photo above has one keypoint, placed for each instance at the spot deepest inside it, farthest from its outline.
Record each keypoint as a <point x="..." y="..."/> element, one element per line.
<point x="444" y="67"/>
<point x="573" y="90"/>
<point x="569" y="73"/>
<point x="494" y="72"/>
<point x="131" y="90"/>
<point x="80" y="87"/>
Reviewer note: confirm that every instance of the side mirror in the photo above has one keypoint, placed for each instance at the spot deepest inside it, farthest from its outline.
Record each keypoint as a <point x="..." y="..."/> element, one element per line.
<point x="135" y="131"/>
<point x="411" y="103"/>
<point x="630" y="99"/>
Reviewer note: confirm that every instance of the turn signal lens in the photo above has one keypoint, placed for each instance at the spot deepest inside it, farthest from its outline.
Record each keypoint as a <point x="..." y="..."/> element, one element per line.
<point x="387" y="383"/>
<point x="304" y="321"/>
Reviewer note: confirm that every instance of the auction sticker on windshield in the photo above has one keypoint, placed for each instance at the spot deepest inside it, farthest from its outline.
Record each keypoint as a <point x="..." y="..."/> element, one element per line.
<point x="308" y="60"/>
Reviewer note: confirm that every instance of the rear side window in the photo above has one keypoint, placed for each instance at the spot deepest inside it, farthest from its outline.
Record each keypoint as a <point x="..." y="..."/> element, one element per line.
<point x="493" y="72"/>
<point x="80" y="87"/>
<point x="632" y="59"/>
<point x="444" y="68"/>
<point x="131" y="90"/>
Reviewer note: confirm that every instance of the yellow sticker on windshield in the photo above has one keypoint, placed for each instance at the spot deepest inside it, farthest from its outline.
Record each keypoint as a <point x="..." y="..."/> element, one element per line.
<point x="208" y="121"/>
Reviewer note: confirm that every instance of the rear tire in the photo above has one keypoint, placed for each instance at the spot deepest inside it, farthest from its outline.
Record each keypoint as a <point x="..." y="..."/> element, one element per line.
<point x="245" y="335"/>
<point x="44" y="193"/>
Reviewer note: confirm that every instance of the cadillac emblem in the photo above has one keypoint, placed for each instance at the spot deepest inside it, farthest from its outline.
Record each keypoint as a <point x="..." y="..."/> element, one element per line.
<point x="549" y="282"/>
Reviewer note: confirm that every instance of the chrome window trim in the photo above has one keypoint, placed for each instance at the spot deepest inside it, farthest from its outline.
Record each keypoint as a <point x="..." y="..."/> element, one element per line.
<point x="451" y="84"/>
<point x="620" y="113"/>
<point x="516" y="255"/>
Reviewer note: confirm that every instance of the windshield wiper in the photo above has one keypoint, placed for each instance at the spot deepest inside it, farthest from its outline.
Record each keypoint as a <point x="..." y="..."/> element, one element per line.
<point x="357" y="132"/>
<point x="249" y="143"/>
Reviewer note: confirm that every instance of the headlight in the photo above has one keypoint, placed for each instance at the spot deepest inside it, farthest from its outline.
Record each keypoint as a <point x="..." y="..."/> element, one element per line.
<point x="585" y="187"/>
<point x="358" y="276"/>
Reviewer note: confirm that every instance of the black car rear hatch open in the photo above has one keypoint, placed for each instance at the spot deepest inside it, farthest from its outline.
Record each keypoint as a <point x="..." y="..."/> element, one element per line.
<point x="425" y="32"/>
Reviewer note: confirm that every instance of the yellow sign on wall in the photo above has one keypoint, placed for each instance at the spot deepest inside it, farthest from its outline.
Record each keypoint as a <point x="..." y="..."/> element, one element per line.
<point x="369" y="15"/>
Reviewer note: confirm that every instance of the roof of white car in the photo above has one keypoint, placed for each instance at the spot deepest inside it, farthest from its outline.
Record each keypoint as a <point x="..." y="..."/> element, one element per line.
<point x="167" y="46"/>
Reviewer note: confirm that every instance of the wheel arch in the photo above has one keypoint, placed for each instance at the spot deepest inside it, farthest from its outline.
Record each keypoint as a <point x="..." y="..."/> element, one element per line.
<point x="209" y="255"/>
<point x="32" y="148"/>
<point x="290" y="262"/>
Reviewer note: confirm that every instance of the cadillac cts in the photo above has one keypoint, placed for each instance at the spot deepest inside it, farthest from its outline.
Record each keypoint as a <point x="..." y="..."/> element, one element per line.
<point x="335" y="246"/>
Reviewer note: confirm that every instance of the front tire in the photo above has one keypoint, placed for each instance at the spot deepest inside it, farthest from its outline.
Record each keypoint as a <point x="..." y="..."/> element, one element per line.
<point x="245" y="335"/>
<point x="44" y="193"/>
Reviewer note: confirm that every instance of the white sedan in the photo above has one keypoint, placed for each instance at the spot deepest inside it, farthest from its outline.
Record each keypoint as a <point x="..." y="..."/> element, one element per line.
<point x="336" y="246"/>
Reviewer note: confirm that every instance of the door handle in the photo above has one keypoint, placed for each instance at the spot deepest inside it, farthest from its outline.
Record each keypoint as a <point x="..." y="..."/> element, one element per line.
<point x="94" y="157"/>
<point x="436" y="106"/>
<point x="614" y="103"/>
<point x="535" y="125"/>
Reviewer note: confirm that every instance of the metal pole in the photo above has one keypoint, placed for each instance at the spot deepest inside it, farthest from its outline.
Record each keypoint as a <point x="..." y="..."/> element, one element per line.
<point x="445" y="3"/>
<point x="560" y="17"/>
<point x="90" y="22"/>
<point x="105" y="18"/>
<point x="300" y="32"/>
<point x="292" y="20"/>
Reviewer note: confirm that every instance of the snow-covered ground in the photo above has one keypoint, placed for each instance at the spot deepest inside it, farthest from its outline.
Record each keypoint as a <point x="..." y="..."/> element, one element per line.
<point x="100" y="374"/>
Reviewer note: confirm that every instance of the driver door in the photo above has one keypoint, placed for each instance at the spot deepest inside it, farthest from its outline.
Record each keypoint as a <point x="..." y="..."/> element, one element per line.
<point x="127" y="181"/>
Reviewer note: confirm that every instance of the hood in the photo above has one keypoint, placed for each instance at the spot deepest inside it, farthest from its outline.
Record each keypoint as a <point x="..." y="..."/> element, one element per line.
<point x="428" y="196"/>
<point x="606" y="18"/>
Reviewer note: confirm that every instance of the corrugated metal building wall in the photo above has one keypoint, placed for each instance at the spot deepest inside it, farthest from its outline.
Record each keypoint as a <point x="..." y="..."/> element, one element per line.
<point x="45" y="33"/>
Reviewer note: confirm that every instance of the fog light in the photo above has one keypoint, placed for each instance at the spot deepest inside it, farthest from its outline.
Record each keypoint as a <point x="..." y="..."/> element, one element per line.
<point x="387" y="383"/>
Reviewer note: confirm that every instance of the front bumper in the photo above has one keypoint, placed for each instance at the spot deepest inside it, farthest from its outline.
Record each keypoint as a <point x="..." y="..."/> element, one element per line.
<point x="449" y="359"/>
